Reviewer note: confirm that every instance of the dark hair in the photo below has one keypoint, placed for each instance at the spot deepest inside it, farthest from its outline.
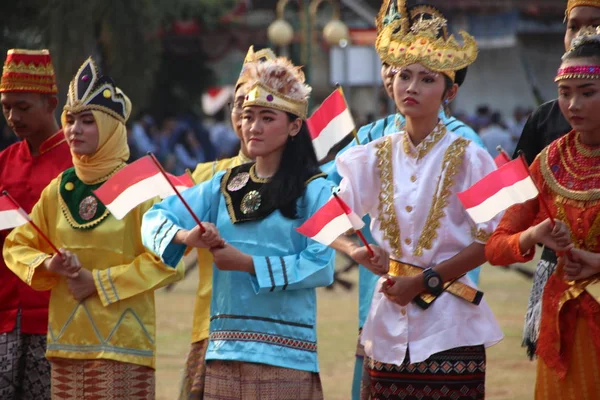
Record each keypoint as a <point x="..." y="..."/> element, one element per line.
<point x="298" y="164"/>
<point x="461" y="75"/>
<point x="584" y="50"/>
<point x="448" y="85"/>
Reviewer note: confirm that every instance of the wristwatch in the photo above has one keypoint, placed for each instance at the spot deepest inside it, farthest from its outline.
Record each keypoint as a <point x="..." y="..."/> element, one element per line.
<point x="433" y="282"/>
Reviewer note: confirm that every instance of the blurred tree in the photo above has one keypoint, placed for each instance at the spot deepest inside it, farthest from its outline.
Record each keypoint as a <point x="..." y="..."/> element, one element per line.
<point x="125" y="37"/>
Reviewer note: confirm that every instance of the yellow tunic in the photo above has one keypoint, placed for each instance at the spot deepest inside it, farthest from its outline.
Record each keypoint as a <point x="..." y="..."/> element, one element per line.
<point x="116" y="323"/>
<point x="204" y="172"/>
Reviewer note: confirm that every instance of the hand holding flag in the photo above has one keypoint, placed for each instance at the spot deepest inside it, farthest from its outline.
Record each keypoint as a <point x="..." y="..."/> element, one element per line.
<point x="332" y="220"/>
<point x="12" y="215"/>
<point x="330" y="123"/>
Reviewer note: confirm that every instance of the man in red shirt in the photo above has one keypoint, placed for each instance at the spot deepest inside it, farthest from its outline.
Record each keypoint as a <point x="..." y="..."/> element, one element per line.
<point x="28" y="95"/>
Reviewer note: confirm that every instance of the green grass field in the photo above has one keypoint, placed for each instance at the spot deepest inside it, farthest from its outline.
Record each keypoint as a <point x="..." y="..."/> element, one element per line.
<point x="510" y="374"/>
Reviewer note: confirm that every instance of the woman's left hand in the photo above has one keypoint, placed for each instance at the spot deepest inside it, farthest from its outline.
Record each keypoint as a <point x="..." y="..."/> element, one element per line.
<point x="403" y="289"/>
<point x="580" y="264"/>
<point x="83" y="286"/>
<point x="228" y="258"/>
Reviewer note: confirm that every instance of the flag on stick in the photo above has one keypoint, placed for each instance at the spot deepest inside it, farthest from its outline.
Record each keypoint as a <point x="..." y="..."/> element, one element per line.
<point x="330" y="123"/>
<point x="502" y="158"/>
<point x="331" y="221"/>
<point x="509" y="185"/>
<point x="136" y="183"/>
<point x="12" y="215"/>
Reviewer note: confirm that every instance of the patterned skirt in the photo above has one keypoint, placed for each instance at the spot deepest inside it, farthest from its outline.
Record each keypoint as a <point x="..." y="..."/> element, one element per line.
<point x="456" y="374"/>
<point x="234" y="380"/>
<point x="192" y="387"/>
<point x="101" y="380"/>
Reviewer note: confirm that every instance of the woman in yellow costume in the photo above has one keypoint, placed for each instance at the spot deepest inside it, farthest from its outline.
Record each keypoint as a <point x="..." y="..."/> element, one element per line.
<point x="101" y="333"/>
<point x="567" y="335"/>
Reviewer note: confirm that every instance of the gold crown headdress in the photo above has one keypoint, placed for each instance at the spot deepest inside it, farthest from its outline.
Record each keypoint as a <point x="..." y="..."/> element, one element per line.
<point x="586" y="35"/>
<point x="278" y="84"/>
<point x="91" y="91"/>
<point x="253" y="57"/>
<point x="423" y="39"/>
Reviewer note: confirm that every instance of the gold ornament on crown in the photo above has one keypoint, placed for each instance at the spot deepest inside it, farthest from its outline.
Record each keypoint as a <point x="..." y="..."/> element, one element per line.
<point x="425" y="42"/>
<point x="253" y="57"/>
<point x="278" y="84"/>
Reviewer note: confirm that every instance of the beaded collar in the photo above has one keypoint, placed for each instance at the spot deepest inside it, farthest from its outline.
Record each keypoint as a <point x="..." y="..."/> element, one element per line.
<point x="572" y="169"/>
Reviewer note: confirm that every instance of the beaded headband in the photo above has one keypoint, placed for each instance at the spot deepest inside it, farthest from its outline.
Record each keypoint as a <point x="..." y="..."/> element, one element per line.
<point x="425" y="42"/>
<point x="587" y="34"/>
<point x="578" y="72"/>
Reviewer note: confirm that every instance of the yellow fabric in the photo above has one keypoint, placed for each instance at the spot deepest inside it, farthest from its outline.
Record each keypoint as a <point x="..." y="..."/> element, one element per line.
<point x="112" y="150"/>
<point x="200" y="327"/>
<point x="117" y="322"/>
<point x="571" y="4"/>
<point x="583" y="376"/>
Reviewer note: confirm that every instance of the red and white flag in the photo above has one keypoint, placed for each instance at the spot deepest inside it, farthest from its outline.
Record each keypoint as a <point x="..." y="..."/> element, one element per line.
<point x="509" y="185"/>
<point x="136" y="183"/>
<point x="11" y="215"/>
<point x="330" y="221"/>
<point x="502" y="158"/>
<point x="330" y="123"/>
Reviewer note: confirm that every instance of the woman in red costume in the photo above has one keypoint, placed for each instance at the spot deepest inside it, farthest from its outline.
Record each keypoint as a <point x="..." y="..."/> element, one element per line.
<point x="567" y="173"/>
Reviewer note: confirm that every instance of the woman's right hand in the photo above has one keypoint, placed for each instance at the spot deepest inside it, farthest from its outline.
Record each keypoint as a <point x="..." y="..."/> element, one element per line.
<point x="66" y="264"/>
<point x="377" y="264"/>
<point x="208" y="239"/>
<point x="557" y="238"/>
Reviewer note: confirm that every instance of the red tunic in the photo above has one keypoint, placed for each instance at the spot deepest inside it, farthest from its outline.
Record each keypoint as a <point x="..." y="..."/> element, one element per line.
<point x="25" y="176"/>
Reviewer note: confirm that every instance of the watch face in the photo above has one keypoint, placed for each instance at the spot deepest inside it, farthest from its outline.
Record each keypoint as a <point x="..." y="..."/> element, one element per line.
<point x="434" y="282"/>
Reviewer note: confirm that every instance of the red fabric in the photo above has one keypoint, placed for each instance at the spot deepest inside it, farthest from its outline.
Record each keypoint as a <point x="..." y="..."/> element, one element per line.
<point x="24" y="177"/>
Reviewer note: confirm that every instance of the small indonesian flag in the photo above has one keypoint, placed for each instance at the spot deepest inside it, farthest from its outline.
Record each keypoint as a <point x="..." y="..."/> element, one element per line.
<point x="216" y="98"/>
<point x="330" y="221"/>
<point x="11" y="215"/>
<point x="509" y="185"/>
<point x="502" y="158"/>
<point x="330" y="123"/>
<point x="136" y="183"/>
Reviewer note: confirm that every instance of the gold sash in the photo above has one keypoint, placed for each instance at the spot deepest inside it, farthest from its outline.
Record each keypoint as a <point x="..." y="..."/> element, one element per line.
<point x="425" y="299"/>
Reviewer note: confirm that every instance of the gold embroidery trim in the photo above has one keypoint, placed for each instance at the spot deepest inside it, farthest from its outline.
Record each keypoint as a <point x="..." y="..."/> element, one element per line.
<point x="423" y="148"/>
<point x="581" y="148"/>
<point x="227" y="197"/>
<point x="385" y="209"/>
<point x="74" y="224"/>
<point x="567" y="157"/>
<point x="550" y="179"/>
<point x="480" y="235"/>
<point x="255" y="178"/>
<point x="451" y="163"/>
<point x="45" y="70"/>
